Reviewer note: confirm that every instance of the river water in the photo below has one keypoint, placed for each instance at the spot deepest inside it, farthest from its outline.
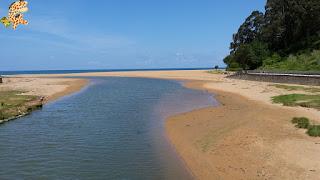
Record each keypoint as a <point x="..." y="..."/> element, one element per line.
<point x="112" y="129"/>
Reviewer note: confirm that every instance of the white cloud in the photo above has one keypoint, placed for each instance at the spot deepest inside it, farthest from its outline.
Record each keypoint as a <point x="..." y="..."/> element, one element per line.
<point x="60" y="32"/>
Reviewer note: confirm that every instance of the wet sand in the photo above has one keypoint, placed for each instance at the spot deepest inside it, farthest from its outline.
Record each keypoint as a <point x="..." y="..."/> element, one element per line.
<point x="244" y="139"/>
<point x="247" y="137"/>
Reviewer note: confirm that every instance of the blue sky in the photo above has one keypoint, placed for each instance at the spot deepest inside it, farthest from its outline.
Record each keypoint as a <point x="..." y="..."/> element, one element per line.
<point x="116" y="34"/>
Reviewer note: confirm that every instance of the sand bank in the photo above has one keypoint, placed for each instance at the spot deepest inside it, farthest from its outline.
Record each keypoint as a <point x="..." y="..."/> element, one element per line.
<point x="244" y="139"/>
<point x="50" y="88"/>
<point x="247" y="137"/>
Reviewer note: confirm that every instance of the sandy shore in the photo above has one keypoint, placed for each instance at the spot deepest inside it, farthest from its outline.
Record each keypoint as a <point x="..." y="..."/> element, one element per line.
<point x="50" y="88"/>
<point x="247" y="137"/>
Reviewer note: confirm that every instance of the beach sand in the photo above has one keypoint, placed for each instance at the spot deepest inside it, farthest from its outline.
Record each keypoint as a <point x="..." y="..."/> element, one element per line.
<point x="246" y="137"/>
<point x="50" y="88"/>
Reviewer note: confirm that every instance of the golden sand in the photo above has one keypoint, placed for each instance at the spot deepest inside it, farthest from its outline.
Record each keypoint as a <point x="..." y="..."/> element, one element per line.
<point x="247" y="137"/>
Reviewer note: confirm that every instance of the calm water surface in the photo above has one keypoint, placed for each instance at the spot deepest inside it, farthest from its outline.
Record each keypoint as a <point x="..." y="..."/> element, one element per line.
<point x="113" y="129"/>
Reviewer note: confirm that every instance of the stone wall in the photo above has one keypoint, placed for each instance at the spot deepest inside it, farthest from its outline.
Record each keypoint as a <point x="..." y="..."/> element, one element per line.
<point x="315" y="81"/>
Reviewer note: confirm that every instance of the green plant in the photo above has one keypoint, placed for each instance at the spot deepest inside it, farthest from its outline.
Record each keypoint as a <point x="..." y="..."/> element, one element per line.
<point x="301" y="122"/>
<point x="303" y="100"/>
<point x="297" y="88"/>
<point x="280" y="38"/>
<point x="307" y="61"/>
<point x="13" y="104"/>
<point x="304" y="123"/>
<point x="314" y="131"/>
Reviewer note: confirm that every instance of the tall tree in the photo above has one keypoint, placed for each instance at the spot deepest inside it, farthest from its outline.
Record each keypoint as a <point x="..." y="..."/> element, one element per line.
<point x="248" y="31"/>
<point x="290" y="23"/>
<point x="287" y="27"/>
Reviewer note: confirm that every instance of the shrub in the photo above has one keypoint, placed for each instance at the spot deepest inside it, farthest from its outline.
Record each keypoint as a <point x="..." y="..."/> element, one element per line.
<point x="314" y="131"/>
<point x="301" y="122"/>
<point x="307" y="61"/>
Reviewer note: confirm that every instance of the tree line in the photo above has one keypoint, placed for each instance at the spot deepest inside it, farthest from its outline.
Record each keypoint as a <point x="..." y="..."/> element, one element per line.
<point x="281" y="36"/>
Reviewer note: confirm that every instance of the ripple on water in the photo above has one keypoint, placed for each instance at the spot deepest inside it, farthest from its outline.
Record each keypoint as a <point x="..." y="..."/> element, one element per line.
<point x="111" y="130"/>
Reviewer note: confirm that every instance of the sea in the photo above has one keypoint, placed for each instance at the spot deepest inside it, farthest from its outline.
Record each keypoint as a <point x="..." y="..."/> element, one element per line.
<point x="92" y="70"/>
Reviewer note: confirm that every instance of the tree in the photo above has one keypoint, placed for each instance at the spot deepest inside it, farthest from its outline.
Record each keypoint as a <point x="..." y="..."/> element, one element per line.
<point x="232" y="65"/>
<point x="291" y="25"/>
<point x="244" y="56"/>
<point x="249" y="31"/>
<point x="250" y="56"/>
<point x="287" y="27"/>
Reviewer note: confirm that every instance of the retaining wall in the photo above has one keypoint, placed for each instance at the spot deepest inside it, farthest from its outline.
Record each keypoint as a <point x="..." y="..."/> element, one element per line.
<point x="314" y="81"/>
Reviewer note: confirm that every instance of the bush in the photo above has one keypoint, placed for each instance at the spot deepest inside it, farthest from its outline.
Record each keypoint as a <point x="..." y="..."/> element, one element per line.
<point x="314" y="131"/>
<point x="270" y="62"/>
<point x="248" y="56"/>
<point x="232" y="64"/>
<point x="301" y="122"/>
<point x="304" y="123"/>
<point x="308" y="61"/>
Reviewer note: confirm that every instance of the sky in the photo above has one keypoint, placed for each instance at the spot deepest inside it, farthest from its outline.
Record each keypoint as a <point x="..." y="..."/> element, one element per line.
<point x="122" y="34"/>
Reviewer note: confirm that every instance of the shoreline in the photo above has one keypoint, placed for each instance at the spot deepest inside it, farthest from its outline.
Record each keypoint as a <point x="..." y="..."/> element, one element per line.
<point x="73" y="86"/>
<point x="240" y="147"/>
<point x="44" y="91"/>
<point x="246" y="137"/>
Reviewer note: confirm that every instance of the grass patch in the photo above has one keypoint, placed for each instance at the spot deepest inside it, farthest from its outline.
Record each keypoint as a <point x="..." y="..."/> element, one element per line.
<point x="303" y="100"/>
<point x="297" y="88"/>
<point x="301" y="122"/>
<point x="314" y="131"/>
<point x="13" y="104"/>
<point x="304" y="123"/>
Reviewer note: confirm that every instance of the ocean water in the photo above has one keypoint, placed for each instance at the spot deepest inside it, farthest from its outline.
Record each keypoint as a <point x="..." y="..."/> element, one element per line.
<point x="113" y="129"/>
<point x="92" y="70"/>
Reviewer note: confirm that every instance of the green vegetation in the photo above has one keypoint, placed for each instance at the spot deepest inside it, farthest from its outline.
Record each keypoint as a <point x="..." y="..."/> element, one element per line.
<point x="297" y="88"/>
<point x="314" y="131"/>
<point x="285" y="37"/>
<point x="303" y="100"/>
<point x="304" y="123"/>
<point x="309" y="61"/>
<point x="13" y="104"/>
